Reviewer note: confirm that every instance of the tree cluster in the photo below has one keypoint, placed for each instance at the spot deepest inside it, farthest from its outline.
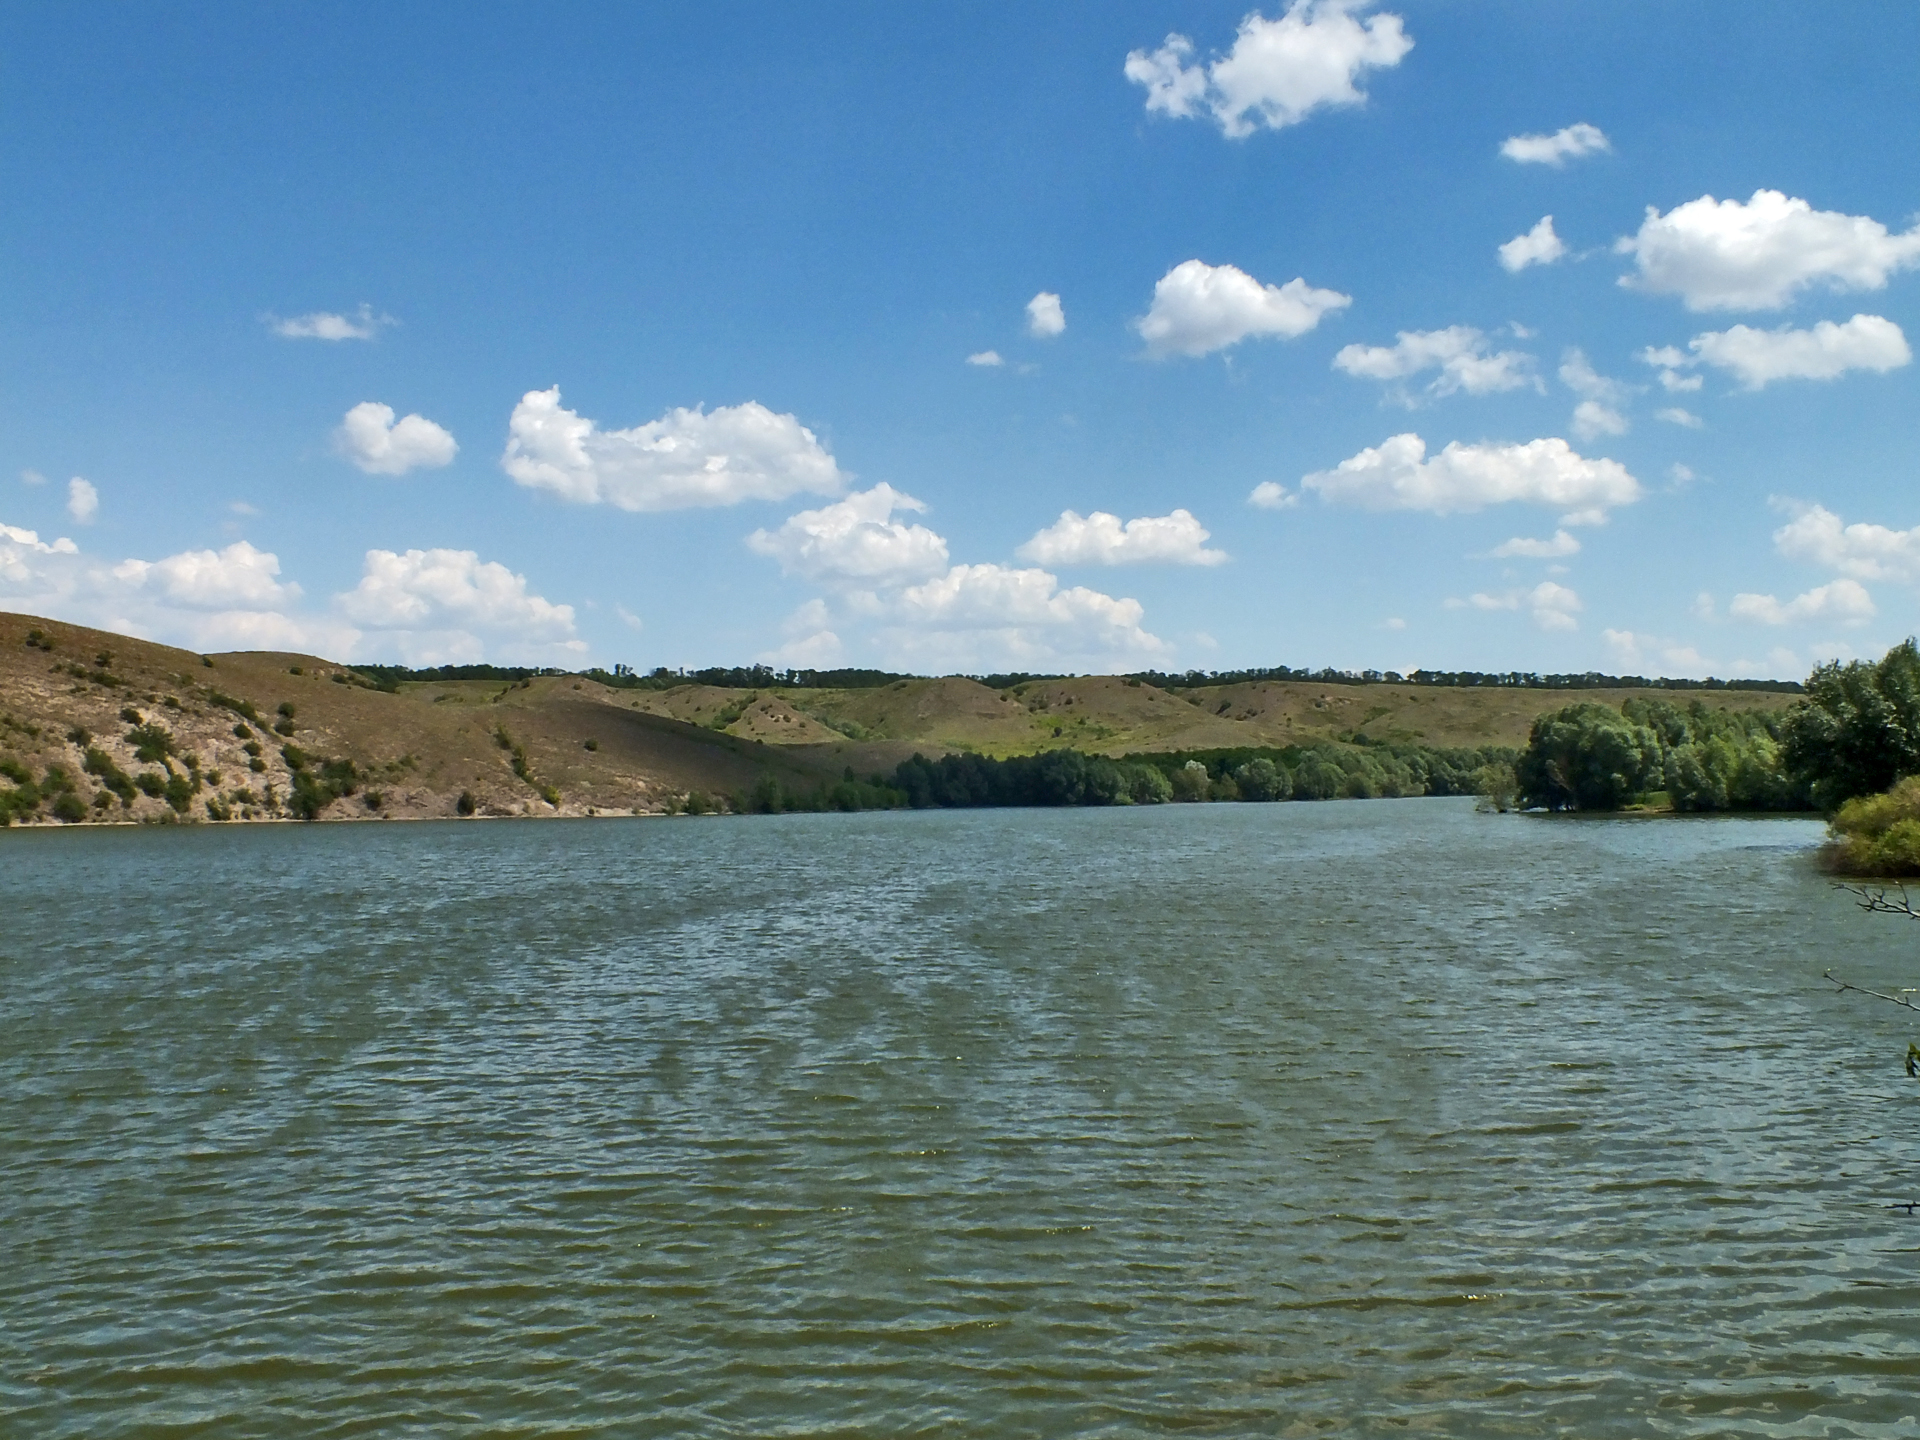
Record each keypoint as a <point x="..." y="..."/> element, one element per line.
<point x="1595" y="757"/>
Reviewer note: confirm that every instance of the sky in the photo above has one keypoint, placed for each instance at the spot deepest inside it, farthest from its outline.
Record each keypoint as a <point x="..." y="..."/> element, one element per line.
<point x="967" y="339"/>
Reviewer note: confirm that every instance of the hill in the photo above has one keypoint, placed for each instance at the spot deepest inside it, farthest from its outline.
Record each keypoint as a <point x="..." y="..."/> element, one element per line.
<point x="108" y="728"/>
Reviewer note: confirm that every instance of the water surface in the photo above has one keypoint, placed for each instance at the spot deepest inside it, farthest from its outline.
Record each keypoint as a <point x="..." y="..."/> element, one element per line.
<point x="1369" y="1117"/>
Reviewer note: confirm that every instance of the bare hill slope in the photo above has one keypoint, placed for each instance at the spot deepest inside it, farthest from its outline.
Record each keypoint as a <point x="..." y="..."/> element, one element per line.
<point x="109" y="728"/>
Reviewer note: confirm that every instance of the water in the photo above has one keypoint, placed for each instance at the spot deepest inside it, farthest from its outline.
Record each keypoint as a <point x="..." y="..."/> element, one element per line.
<point x="1373" y="1117"/>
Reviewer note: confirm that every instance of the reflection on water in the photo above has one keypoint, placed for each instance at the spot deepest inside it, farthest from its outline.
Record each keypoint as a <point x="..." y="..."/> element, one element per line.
<point x="1242" y="1120"/>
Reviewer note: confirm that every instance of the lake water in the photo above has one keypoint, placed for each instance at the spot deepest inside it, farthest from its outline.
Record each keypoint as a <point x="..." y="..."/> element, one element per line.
<point x="1377" y="1117"/>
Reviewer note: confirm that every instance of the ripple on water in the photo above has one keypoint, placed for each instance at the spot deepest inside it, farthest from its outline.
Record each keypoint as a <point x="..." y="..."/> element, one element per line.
<point x="1211" y="1120"/>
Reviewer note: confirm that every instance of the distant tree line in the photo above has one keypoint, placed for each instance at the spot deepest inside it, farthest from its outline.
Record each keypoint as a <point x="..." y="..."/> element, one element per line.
<point x="765" y="677"/>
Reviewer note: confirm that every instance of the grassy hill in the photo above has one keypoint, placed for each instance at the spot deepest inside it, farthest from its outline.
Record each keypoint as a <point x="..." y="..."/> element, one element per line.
<point x="133" y="731"/>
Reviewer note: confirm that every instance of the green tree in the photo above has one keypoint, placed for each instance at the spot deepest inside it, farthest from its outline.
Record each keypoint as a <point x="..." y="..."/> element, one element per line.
<point x="1858" y="730"/>
<point x="1587" y="757"/>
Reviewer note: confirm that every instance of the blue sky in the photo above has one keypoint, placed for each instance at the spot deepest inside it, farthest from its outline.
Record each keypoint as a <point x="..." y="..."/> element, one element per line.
<point x="652" y="333"/>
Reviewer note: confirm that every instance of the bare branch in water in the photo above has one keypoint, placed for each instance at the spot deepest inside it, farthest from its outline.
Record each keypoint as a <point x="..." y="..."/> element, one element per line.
<point x="1877" y="994"/>
<point x="1875" y="900"/>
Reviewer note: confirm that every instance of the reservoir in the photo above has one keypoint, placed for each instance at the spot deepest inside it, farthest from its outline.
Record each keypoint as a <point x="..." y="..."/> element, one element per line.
<point x="1364" y="1117"/>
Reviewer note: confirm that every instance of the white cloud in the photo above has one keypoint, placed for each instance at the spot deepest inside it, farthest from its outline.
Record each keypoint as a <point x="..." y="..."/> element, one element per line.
<point x="443" y="607"/>
<point x="324" y="325"/>
<point x="83" y="501"/>
<point x="1674" y="415"/>
<point x="985" y="357"/>
<point x="1865" y="552"/>
<point x="1198" y="308"/>
<point x="32" y="477"/>
<point x="686" y="458"/>
<point x="1272" y="495"/>
<point x="1278" y="72"/>
<point x="628" y="618"/>
<point x="1397" y="475"/>
<point x="1598" y="412"/>
<point x="1591" y="419"/>
<point x="1844" y="601"/>
<point x="856" y="541"/>
<point x="1458" y="353"/>
<point x="1580" y="377"/>
<point x="1539" y="246"/>
<point x="238" y="577"/>
<point x="1552" y="606"/>
<point x="1101" y="539"/>
<point x="1393" y="622"/>
<point x="1757" y="254"/>
<point x="1045" y="318"/>
<point x="1017" y="616"/>
<point x="1522" y="548"/>
<point x="373" y="440"/>
<point x="1759" y="357"/>
<point x="1556" y="149"/>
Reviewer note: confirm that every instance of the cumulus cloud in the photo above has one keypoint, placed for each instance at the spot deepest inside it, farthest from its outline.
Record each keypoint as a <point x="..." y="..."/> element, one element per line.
<point x="856" y="541"/>
<point x="1521" y="548"/>
<point x="1598" y="412"/>
<point x="893" y="582"/>
<point x="324" y="325"/>
<point x="1045" y="318"/>
<point x="428" y="607"/>
<point x="687" y="458"/>
<point x="1397" y="475"/>
<point x="1758" y="254"/>
<point x="1866" y="552"/>
<point x="238" y="577"/>
<point x="32" y="477"/>
<point x="1572" y="143"/>
<point x="451" y="607"/>
<point x="1844" y="601"/>
<point x="1539" y="246"/>
<point x="985" y="357"/>
<point x="1459" y="354"/>
<point x="1101" y="539"/>
<point x="1675" y="415"/>
<point x="1278" y="72"/>
<point x="1759" y="357"/>
<point x="1017" y="616"/>
<point x="202" y="600"/>
<point x="1272" y="495"/>
<point x="1198" y="308"/>
<point x="83" y="501"/>
<point x="1552" y="606"/>
<point x="373" y="440"/>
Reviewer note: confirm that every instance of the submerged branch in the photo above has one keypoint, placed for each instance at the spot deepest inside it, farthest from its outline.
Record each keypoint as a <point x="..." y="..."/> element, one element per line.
<point x="1875" y="900"/>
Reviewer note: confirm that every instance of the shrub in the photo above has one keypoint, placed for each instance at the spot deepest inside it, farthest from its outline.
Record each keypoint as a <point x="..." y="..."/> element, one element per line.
<point x="179" y="792"/>
<point x="100" y="765"/>
<point x="551" y="795"/>
<point x="1877" y="834"/>
<point x="241" y="732"/>
<point x="257" y="765"/>
<point x="593" y="744"/>
<point x="295" y="757"/>
<point x="80" y="735"/>
<point x="152" y="783"/>
<point x="284" y="727"/>
<point x="132" y="716"/>
<point x="151" y="744"/>
<point x="466" y="804"/>
<point x="373" y="799"/>
<point x="69" y="808"/>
